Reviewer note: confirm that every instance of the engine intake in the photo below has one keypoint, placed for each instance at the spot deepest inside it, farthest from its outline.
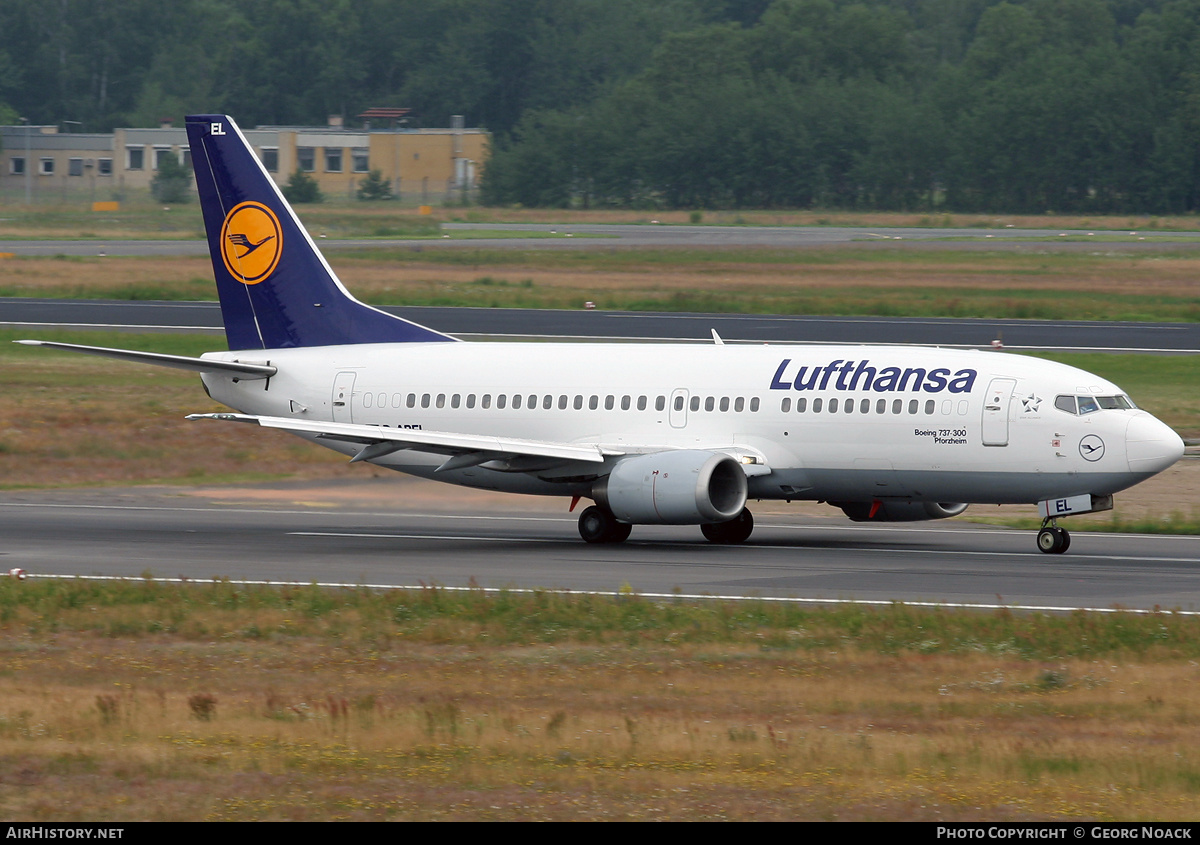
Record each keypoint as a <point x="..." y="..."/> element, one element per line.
<point x="900" y="511"/>
<point x="684" y="487"/>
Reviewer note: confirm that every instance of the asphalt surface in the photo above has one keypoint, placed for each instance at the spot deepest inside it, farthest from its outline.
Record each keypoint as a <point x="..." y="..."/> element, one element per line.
<point x="35" y="314"/>
<point x="605" y="235"/>
<point x="394" y="538"/>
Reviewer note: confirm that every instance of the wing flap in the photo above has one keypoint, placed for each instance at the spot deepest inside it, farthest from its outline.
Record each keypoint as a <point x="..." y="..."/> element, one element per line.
<point x="380" y="440"/>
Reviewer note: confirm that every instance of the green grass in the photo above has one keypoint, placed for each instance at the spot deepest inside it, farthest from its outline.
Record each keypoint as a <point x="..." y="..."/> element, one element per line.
<point x="227" y="611"/>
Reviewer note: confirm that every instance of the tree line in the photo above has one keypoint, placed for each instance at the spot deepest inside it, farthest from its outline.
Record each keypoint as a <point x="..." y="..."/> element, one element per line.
<point x="971" y="105"/>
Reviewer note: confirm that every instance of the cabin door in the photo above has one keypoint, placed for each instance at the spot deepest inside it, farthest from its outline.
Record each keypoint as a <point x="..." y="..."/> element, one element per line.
<point x="343" y="397"/>
<point x="995" y="411"/>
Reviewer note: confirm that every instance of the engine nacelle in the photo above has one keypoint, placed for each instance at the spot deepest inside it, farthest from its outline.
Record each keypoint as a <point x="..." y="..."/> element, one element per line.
<point x="684" y="487"/>
<point x="900" y="511"/>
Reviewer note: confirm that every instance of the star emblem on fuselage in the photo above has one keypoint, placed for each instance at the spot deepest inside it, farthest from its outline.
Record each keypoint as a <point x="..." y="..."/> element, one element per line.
<point x="1031" y="403"/>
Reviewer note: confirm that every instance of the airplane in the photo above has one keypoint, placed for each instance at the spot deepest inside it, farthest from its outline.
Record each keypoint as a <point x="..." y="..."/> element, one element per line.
<point x="674" y="434"/>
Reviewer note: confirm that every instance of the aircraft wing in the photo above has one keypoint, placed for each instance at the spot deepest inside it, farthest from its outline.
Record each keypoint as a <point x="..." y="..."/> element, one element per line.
<point x="464" y="450"/>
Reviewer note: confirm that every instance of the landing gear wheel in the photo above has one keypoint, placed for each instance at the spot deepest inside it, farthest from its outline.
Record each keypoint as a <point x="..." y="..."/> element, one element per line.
<point x="1053" y="540"/>
<point x="598" y="525"/>
<point x="731" y="533"/>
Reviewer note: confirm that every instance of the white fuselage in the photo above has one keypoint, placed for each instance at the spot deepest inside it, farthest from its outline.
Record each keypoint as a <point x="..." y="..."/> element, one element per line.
<point x="836" y="423"/>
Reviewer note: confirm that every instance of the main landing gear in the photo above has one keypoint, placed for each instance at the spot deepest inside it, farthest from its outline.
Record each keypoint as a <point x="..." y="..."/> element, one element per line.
<point x="598" y="525"/>
<point x="1051" y="539"/>
<point x="731" y="533"/>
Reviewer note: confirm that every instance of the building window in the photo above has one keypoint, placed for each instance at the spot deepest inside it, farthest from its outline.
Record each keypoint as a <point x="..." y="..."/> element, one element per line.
<point x="136" y="158"/>
<point x="16" y="165"/>
<point x="75" y="167"/>
<point x="333" y="159"/>
<point x="46" y="167"/>
<point x="185" y="155"/>
<point x="306" y="159"/>
<point x="104" y="166"/>
<point x="362" y="159"/>
<point x="160" y="153"/>
<point x="270" y="159"/>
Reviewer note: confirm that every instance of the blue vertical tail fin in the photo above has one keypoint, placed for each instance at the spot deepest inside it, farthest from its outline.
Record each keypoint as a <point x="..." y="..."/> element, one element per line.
<point x="276" y="289"/>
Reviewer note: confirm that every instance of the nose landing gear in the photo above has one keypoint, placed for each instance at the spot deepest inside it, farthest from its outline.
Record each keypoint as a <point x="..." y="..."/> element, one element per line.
<point x="1051" y="539"/>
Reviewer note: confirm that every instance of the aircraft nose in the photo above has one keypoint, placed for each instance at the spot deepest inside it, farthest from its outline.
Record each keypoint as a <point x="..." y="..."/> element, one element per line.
<point x="1151" y="445"/>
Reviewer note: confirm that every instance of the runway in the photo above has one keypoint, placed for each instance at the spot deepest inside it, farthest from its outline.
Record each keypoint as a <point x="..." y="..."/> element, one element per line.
<point x="410" y="533"/>
<point x="472" y="323"/>
<point x="636" y="236"/>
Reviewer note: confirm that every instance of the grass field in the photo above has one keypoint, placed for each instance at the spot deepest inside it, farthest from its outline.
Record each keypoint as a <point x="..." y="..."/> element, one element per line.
<point x="165" y="702"/>
<point x="149" y="701"/>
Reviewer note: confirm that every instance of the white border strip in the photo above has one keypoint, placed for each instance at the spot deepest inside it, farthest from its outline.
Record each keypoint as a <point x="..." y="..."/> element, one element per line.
<point x="621" y="594"/>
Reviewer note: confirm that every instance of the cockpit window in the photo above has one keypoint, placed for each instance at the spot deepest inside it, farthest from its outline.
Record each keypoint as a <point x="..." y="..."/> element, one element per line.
<point x="1090" y="404"/>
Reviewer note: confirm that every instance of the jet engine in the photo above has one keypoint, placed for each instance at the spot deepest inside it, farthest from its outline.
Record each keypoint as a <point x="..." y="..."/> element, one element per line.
<point x="685" y="487"/>
<point x="900" y="511"/>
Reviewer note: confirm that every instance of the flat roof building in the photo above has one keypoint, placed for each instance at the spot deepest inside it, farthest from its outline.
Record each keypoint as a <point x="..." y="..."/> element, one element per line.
<point x="423" y="165"/>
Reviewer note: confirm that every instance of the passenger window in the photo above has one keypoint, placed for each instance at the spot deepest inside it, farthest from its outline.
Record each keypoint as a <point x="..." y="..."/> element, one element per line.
<point x="424" y="400"/>
<point x="947" y="407"/>
<point x="897" y="405"/>
<point x="501" y="400"/>
<point x="516" y="403"/>
<point x="367" y="400"/>
<point x="562" y="402"/>
<point x="610" y="402"/>
<point x="833" y="405"/>
<point x="641" y="406"/>
<point x="661" y="402"/>
<point x="455" y="400"/>
<point x="547" y="402"/>
<point x="912" y="406"/>
<point x="486" y="401"/>
<point x="470" y="400"/>
<point x="785" y="405"/>
<point x="593" y="403"/>
<point x="441" y="400"/>
<point x="929" y="406"/>
<point x="754" y="404"/>
<point x="802" y="405"/>
<point x="412" y="400"/>
<point x="817" y="406"/>
<point x="963" y="406"/>
<point x="881" y="406"/>
<point x="739" y="405"/>
<point x="396" y="400"/>
<point x="864" y="407"/>
<point x="848" y="406"/>
<point x="695" y="403"/>
<point x="578" y="404"/>
<point x="710" y="403"/>
<point x="382" y="400"/>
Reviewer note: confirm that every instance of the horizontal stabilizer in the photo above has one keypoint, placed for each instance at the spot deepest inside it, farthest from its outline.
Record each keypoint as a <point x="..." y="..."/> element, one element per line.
<point x="178" y="362"/>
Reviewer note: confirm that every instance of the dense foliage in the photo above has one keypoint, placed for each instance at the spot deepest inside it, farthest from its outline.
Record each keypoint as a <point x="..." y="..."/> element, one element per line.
<point x="1004" y="105"/>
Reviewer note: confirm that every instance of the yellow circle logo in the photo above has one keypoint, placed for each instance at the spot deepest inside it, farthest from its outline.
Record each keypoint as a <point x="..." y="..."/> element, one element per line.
<point x="251" y="242"/>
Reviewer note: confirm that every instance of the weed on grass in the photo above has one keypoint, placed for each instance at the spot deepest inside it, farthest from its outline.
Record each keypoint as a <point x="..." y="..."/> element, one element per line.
<point x="146" y="700"/>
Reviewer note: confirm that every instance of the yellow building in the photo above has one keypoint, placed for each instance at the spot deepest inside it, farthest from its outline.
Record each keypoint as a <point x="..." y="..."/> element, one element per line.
<point x="423" y="165"/>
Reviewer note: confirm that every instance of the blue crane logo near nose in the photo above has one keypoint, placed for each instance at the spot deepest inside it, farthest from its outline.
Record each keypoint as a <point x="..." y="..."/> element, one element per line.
<point x="1091" y="447"/>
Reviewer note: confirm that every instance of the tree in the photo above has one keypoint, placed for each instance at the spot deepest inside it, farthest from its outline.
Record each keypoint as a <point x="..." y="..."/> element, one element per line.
<point x="375" y="187"/>
<point x="172" y="182"/>
<point x="302" y="188"/>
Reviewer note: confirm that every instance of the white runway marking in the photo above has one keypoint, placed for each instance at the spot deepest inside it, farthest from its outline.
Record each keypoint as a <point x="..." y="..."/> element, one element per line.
<point x="618" y="593"/>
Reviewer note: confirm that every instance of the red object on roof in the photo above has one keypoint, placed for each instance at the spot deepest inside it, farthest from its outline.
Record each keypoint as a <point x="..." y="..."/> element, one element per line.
<point x="385" y="113"/>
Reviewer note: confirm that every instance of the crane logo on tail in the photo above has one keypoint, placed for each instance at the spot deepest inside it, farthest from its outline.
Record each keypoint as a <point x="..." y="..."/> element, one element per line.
<point x="251" y="242"/>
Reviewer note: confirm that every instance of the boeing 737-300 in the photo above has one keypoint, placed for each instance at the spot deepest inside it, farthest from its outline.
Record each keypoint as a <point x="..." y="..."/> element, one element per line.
<point x="678" y="434"/>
